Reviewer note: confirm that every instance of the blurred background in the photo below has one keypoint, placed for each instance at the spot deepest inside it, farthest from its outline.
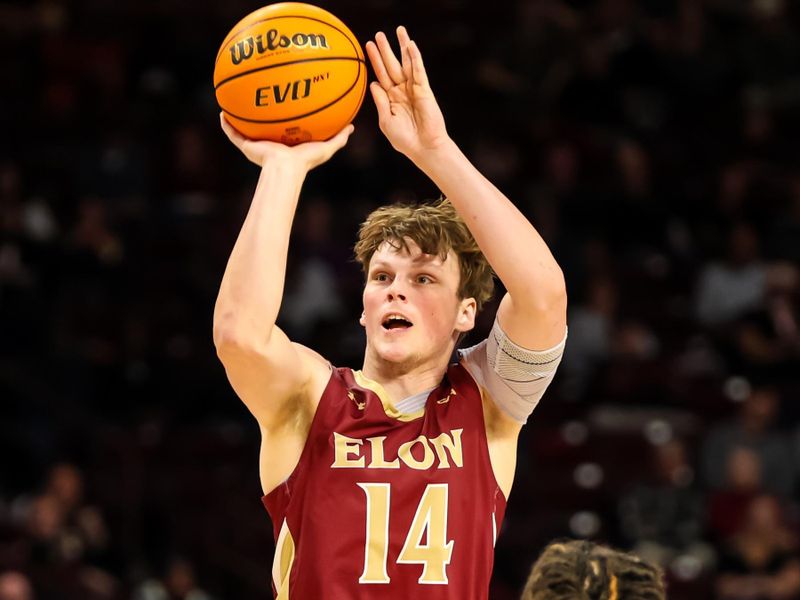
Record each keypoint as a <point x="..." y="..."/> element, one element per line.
<point x="653" y="143"/>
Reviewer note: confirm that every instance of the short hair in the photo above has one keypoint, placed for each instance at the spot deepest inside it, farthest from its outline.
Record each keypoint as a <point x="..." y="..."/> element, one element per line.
<point x="583" y="570"/>
<point x="436" y="228"/>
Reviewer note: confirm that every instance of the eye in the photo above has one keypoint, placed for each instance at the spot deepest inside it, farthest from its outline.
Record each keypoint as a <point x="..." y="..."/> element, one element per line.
<point x="424" y="279"/>
<point x="380" y="277"/>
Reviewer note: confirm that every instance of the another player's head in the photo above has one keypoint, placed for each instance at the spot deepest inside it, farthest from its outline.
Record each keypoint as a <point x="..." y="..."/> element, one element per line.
<point x="582" y="570"/>
<point x="422" y="264"/>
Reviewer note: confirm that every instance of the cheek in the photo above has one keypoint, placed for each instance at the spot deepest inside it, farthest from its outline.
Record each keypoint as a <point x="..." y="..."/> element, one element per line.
<point x="437" y="312"/>
<point x="369" y="302"/>
<point x="367" y="297"/>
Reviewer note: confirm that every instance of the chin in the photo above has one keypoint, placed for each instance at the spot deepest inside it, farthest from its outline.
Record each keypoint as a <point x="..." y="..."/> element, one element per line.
<point x="396" y="355"/>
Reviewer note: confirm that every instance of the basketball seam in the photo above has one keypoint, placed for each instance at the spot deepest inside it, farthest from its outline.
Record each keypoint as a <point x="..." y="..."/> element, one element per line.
<point x="303" y="116"/>
<point x="363" y="92"/>
<point x="291" y="62"/>
<point x="232" y="36"/>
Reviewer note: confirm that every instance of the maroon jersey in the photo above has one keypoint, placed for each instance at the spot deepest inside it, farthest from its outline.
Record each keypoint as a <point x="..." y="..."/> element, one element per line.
<point x="389" y="505"/>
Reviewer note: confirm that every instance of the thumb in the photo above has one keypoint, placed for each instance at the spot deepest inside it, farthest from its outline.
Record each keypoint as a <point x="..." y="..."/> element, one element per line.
<point x="338" y="141"/>
<point x="381" y="99"/>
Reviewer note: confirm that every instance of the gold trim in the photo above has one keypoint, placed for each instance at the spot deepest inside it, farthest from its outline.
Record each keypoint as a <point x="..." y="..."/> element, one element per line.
<point x="282" y="562"/>
<point x="388" y="407"/>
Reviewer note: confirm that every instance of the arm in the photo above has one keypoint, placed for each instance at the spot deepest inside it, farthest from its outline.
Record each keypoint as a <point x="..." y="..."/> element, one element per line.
<point x="533" y="313"/>
<point x="272" y="376"/>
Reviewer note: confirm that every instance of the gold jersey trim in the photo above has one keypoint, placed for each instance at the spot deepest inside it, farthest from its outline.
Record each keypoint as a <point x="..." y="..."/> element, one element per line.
<point x="390" y="409"/>
<point x="282" y="563"/>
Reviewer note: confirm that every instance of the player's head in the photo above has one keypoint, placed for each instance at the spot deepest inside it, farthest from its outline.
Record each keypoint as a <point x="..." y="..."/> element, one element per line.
<point x="422" y="263"/>
<point x="582" y="570"/>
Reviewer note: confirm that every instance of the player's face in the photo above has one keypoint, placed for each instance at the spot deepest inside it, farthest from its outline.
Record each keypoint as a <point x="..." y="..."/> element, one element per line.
<point x="411" y="308"/>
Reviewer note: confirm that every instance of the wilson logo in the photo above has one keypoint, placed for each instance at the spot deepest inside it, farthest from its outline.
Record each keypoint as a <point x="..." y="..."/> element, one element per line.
<point x="274" y="40"/>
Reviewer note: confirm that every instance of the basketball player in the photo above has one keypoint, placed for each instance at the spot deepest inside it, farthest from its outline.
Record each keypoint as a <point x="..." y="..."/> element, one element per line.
<point x="583" y="570"/>
<point x="391" y="481"/>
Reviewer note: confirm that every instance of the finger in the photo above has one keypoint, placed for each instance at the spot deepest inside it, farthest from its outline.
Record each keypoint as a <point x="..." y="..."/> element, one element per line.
<point x="378" y="66"/>
<point x="381" y="99"/>
<point x="418" y="73"/>
<point x="404" y="40"/>
<point x="393" y="67"/>
<point x="402" y="36"/>
<point x="340" y="139"/>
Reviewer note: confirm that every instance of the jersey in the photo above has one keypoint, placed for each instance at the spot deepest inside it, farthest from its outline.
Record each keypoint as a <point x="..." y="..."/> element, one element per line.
<point x="389" y="505"/>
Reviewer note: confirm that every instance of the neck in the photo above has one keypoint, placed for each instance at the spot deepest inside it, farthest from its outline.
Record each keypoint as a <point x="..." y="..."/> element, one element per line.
<point x="401" y="380"/>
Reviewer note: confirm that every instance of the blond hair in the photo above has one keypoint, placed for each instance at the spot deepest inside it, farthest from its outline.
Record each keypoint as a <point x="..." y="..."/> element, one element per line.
<point x="436" y="228"/>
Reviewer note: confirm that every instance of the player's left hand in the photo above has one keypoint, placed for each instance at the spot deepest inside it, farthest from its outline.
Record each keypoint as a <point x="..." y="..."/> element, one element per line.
<point x="408" y="113"/>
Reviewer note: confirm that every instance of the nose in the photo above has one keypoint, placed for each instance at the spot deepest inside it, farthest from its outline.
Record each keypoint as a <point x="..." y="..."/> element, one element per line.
<point x="395" y="291"/>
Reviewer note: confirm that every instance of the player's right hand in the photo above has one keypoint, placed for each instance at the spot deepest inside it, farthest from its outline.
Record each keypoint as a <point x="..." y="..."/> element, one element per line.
<point x="305" y="156"/>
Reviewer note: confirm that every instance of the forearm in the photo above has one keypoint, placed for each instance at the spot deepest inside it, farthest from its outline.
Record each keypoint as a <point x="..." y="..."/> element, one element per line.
<point x="511" y="244"/>
<point x="252" y="287"/>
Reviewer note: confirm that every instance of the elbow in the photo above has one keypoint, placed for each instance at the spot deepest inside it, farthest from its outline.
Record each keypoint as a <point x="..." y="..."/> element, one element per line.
<point x="232" y="339"/>
<point x="542" y="294"/>
<point x="550" y="293"/>
<point x="224" y="331"/>
<point x="225" y="340"/>
<point x="557" y="288"/>
<point x="555" y="301"/>
<point x="227" y="343"/>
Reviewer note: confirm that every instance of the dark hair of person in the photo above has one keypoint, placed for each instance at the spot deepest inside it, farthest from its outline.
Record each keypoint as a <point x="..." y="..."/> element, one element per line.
<point x="583" y="570"/>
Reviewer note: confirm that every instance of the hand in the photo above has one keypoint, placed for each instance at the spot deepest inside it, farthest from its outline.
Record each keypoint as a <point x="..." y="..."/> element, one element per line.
<point x="408" y="114"/>
<point x="306" y="155"/>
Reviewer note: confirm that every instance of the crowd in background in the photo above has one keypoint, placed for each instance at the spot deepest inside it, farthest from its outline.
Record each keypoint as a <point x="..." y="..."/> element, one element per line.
<point x="653" y="143"/>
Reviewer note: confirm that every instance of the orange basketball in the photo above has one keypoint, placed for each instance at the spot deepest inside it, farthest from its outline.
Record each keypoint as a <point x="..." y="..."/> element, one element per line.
<point x="291" y="73"/>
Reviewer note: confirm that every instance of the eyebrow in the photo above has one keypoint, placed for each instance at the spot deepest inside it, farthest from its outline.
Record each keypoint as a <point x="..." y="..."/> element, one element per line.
<point x="427" y="259"/>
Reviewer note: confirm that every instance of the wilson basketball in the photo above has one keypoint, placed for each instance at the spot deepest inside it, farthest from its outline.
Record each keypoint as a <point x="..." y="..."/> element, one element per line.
<point x="291" y="73"/>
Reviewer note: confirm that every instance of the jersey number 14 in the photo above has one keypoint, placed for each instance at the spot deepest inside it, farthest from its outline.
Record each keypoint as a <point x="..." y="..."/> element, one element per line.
<point x="430" y="521"/>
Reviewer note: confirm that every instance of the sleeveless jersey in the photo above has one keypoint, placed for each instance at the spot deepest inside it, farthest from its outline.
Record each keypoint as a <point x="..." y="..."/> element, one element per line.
<point x="389" y="505"/>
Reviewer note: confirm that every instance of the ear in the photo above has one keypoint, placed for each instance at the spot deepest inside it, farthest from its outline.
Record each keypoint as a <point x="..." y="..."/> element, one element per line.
<point x="363" y="319"/>
<point x="467" y="310"/>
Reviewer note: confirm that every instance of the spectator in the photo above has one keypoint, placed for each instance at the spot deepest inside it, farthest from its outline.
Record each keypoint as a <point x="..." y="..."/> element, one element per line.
<point x="729" y="288"/>
<point x="743" y="482"/>
<point x="178" y="583"/>
<point x="766" y="342"/>
<point x="314" y="295"/>
<point x="761" y="561"/>
<point x="591" y="330"/>
<point x="664" y="518"/>
<point x="15" y="586"/>
<point x="753" y="428"/>
<point x="85" y="523"/>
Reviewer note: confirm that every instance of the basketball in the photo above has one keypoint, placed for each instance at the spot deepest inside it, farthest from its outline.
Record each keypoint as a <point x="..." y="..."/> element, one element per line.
<point x="291" y="73"/>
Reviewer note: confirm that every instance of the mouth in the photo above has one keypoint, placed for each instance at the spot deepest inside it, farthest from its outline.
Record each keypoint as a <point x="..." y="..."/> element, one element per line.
<point x="396" y="322"/>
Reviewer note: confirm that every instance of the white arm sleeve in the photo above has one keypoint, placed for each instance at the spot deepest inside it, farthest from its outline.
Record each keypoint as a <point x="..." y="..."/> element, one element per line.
<point x="515" y="378"/>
